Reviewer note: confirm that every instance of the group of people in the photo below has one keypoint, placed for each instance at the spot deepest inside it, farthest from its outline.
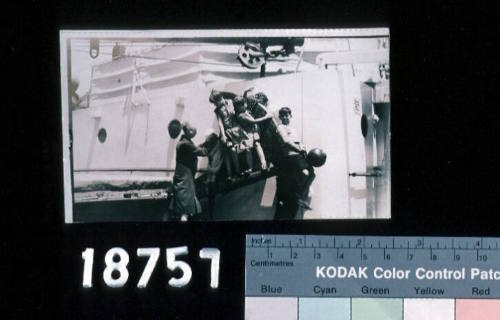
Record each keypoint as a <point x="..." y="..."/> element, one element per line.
<point x="243" y="129"/>
<point x="240" y="130"/>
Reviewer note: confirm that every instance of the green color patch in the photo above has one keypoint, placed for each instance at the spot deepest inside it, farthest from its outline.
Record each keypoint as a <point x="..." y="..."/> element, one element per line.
<point x="377" y="309"/>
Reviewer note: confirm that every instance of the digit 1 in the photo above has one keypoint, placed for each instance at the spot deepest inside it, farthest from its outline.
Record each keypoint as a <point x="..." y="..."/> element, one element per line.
<point x="88" y="262"/>
<point x="214" y="255"/>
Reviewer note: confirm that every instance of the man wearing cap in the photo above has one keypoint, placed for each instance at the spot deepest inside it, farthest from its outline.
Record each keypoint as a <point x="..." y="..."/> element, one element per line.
<point x="186" y="204"/>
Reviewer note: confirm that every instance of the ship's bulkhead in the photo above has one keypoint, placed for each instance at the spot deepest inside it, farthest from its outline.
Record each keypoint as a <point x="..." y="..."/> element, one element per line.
<point x="117" y="138"/>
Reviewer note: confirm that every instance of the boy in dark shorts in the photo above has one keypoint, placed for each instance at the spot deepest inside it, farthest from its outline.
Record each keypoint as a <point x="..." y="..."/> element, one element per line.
<point x="294" y="174"/>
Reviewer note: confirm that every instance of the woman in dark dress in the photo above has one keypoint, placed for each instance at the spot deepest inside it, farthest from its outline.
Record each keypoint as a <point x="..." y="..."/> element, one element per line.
<point x="186" y="204"/>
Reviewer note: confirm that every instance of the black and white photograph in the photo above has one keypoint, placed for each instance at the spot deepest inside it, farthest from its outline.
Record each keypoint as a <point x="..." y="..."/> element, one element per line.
<point x="221" y="125"/>
<point x="243" y="160"/>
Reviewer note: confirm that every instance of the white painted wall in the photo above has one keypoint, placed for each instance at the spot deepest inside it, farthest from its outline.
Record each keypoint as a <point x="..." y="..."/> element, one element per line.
<point x="325" y="116"/>
<point x="324" y="113"/>
<point x="137" y="137"/>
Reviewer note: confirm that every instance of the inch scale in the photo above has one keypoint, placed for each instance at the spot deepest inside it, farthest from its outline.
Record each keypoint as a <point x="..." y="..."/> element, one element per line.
<point x="372" y="266"/>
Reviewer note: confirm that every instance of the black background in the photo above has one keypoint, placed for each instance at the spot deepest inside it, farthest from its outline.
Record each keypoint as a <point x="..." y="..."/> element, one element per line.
<point x="444" y="145"/>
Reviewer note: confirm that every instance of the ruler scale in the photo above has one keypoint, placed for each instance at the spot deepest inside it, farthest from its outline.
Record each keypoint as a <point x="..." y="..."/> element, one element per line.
<point x="365" y="270"/>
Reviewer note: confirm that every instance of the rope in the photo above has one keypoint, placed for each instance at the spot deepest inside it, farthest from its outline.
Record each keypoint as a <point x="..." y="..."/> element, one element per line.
<point x="168" y="59"/>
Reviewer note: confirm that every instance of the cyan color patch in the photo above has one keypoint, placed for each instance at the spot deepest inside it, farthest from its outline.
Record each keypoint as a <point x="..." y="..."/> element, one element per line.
<point x="324" y="308"/>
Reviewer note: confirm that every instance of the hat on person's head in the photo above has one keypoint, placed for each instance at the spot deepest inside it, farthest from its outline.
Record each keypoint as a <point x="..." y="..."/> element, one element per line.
<point x="186" y="126"/>
<point x="188" y="129"/>
<point x="214" y="96"/>
<point x="261" y="97"/>
<point x="285" y="110"/>
<point x="238" y="102"/>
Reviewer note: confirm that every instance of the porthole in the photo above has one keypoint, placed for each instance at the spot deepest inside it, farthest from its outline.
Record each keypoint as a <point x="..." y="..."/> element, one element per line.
<point x="102" y="135"/>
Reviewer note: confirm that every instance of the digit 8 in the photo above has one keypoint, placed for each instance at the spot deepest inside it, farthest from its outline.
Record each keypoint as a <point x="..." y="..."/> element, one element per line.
<point x="120" y="266"/>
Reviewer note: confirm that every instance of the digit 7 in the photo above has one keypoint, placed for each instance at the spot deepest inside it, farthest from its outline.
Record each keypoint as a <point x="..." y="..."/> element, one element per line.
<point x="154" y="254"/>
<point x="214" y="255"/>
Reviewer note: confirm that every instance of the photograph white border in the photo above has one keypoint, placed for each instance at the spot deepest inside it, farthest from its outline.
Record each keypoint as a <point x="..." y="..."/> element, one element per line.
<point x="67" y="34"/>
